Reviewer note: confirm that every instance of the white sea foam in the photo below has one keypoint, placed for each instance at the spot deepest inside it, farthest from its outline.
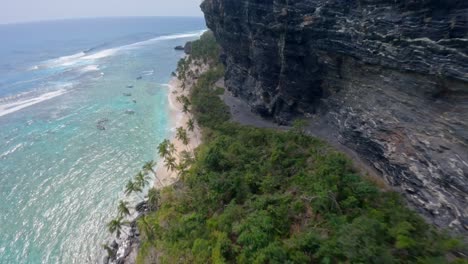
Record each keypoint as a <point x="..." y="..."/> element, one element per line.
<point x="90" y="68"/>
<point x="147" y="73"/>
<point x="8" y="152"/>
<point x="100" y="55"/>
<point x="8" y="108"/>
<point x="167" y="37"/>
<point x="64" y="60"/>
<point x="82" y="58"/>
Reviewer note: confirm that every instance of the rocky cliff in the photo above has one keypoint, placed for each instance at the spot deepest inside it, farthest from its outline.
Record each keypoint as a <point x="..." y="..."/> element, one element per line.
<point x="389" y="78"/>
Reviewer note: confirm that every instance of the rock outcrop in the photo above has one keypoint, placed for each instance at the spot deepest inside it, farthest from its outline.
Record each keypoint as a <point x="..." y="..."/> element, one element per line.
<point x="390" y="77"/>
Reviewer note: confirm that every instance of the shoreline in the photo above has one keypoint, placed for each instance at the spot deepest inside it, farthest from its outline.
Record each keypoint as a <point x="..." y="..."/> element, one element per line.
<point x="177" y="119"/>
<point x="126" y="247"/>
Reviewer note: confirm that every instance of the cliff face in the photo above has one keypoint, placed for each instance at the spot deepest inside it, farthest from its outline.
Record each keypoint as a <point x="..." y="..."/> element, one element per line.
<point x="390" y="77"/>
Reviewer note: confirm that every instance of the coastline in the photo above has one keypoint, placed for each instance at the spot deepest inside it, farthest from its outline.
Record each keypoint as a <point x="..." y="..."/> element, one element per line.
<point x="126" y="248"/>
<point x="178" y="119"/>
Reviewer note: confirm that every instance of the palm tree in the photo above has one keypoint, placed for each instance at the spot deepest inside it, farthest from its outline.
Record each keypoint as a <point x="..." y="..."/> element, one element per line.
<point x="116" y="226"/>
<point x="132" y="187"/>
<point x="185" y="108"/>
<point x="109" y="250"/>
<point x="141" y="179"/>
<point x="170" y="163"/>
<point x="153" y="199"/>
<point x="123" y="209"/>
<point x="148" y="167"/>
<point x="191" y="125"/>
<point x="163" y="148"/>
<point x="186" y="159"/>
<point x="172" y="148"/>
<point x="146" y="227"/>
<point x="182" y="136"/>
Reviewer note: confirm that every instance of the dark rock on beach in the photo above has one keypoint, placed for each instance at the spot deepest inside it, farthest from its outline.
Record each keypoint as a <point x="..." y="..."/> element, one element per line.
<point x="388" y="79"/>
<point x="142" y="207"/>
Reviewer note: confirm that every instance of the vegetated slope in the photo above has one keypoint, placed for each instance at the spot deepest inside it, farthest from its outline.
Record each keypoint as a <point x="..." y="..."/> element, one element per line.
<point x="387" y="78"/>
<point x="262" y="196"/>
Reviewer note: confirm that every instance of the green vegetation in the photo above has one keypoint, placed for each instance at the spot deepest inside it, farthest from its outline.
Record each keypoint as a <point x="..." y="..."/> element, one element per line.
<point x="262" y="196"/>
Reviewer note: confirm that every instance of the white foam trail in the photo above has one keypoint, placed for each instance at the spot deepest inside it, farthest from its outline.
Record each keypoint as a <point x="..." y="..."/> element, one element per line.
<point x="8" y="152"/>
<point x="9" y="108"/>
<point x="65" y="60"/>
<point x="167" y="37"/>
<point x="90" y="68"/>
<point x="100" y="54"/>
<point x="147" y="73"/>
<point x="85" y="58"/>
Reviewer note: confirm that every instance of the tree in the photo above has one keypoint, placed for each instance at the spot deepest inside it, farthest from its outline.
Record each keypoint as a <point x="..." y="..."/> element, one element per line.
<point x="148" y="167"/>
<point x="186" y="159"/>
<point x="131" y="187"/>
<point x="185" y="108"/>
<point x="172" y="148"/>
<point x="141" y="180"/>
<point x="154" y="197"/>
<point x="170" y="163"/>
<point x="166" y="148"/>
<point x="182" y="136"/>
<point x="116" y="226"/>
<point x="146" y="227"/>
<point x="123" y="209"/>
<point x="109" y="250"/>
<point x="163" y="148"/>
<point x="190" y="125"/>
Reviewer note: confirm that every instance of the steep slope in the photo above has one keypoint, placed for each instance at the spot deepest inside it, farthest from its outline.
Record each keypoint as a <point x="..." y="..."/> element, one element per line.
<point x="390" y="78"/>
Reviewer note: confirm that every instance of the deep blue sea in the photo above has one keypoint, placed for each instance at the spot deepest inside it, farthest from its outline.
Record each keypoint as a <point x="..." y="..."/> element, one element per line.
<point x="83" y="104"/>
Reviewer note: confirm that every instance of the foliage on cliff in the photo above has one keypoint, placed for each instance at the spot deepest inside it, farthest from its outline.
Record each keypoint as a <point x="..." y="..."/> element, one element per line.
<point x="263" y="196"/>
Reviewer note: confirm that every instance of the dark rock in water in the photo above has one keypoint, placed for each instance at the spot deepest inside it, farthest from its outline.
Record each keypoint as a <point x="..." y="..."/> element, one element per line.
<point x="141" y="207"/>
<point x="139" y="77"/>
<point x="101" y="123"/>
<point x="173" y="74"/>
<point x="114" y="245"/>
<point x="389" y="77"/>
<point x="127" y="94"/>
<point x="179" y="48"/>
<point x="188" y="47"/>
<point x="134" y="101"/>
<point x="129" y="86"/>
<point x="129" y="112"/>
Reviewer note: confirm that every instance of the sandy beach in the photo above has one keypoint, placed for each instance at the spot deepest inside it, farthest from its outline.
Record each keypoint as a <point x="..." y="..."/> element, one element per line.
<point x="178" y="119"/>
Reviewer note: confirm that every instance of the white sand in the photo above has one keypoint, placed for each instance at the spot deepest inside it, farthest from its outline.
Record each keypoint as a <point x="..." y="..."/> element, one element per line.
<point x="178" y="119"/>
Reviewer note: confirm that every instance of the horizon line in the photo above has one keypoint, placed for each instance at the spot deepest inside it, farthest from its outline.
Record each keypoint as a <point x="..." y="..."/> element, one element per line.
<point x="90" y="17"/>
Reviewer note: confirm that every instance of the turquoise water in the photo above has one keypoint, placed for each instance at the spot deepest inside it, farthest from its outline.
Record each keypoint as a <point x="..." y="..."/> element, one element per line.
<point x="70" y="134"/>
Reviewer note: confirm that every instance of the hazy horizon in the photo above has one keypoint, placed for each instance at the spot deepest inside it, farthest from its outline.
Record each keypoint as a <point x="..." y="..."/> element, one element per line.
<point x="26" y="11"/>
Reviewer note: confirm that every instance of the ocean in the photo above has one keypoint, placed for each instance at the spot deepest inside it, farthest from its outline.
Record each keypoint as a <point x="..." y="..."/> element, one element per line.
<point x="83" y="104"/>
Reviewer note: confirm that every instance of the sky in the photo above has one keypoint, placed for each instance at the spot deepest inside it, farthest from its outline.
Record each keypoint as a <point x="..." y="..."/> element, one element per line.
<point x="14" y="11"/>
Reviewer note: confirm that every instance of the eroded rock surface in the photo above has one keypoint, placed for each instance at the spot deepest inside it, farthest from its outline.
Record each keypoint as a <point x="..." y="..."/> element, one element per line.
<point x="390" y="77"/>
